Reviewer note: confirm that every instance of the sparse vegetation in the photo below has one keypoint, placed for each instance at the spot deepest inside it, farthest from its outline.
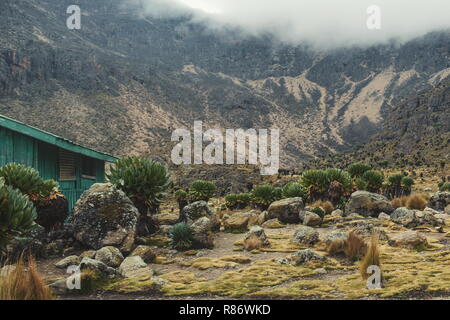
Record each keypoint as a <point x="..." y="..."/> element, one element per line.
<point x="355" y="247"/>
<point x="372" y="257"/>
<point x="416" y="201"/>
<point x="238" y="201"/>
<point x="253" y="243"/>
<point x="327" y="206"/>
<point x="444" y="186"/>
<point x="358" y="169"/>
<point x="144" y="181"/>
<point x="293" y="190"/>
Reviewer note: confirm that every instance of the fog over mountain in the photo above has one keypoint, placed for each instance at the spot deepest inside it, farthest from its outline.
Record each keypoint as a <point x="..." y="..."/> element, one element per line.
<point x="322" y="23"/>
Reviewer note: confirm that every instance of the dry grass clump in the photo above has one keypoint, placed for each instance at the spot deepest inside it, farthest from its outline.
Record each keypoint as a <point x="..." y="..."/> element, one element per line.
<point x="415" y="201"/>
<point x="372" y="257"/>
<point x="355" y="247"/>
<point x="327" y="206"/>
<point x="253" y="243"/>
<point x="22" y="281"/>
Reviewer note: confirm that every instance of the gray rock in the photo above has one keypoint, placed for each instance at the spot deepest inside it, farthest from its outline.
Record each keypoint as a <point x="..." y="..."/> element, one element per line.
<point x="439" y="201"/>
<point x="111" y="256"/>
<point x="305" y="235"/>
<point x="145" y="252"/>
<point x="335" y="235"/>
<point x="428" y="218"/>
<point x="311" y="219"/>
<point x="68" y="261"/>
<point x="105" y="216"/>
<point x="135" y="267"/>
<point x="95" y="265"/>
<point x="203" y="232"/>
<point x="196" y="210"/>
<point x="408" y="239"/>
<point x="405" y="217"/>
<point x="257" y="231"/>
<point x="384" y="216"/>
<point x="286" y="210"/>
<point x="368" y="204"/>
<point x="366" y="229"/>
<point x="337" y="213"/>
<point x="304" y="256"/>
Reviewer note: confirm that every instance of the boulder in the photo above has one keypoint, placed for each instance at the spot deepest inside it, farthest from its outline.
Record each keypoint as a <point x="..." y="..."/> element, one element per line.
<point x="439" y="201"/>
<point x="97" y="266"/>
<point x="311" y="219"/>
<point x="258" y="232"/>
<point x="428" y="218"/>
<point x="286" y="210"/>
<point x="105" y="216"/>
<point x="366" y="230"/>
<point x="240" y="221"/>
<point x="135" y="267"/>
<point x="195" y="211"/>
<point x="68" y="261"/>
<point x="273" y="224"/>
<point x="304" y="256"/>
<point x="384" y="216"/>
<point x="337" y="213"/>
<point x="167" y="218"/>
<point x="203" y="236"/>
<point x="145" y="252"/>
<point x="335" y="235"/>
<point x="368" y="204"/>
<point x="405" y="217"/>
<point x="305" y="235"/>
<point x="88" y="254"/>
<point x="447" y="209"/>
<point x="111" y="256"/>
<point x="409" y="239"/>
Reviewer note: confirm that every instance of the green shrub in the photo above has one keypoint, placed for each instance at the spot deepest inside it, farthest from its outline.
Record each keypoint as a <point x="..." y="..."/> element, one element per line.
<point x="319" y="211"/>
<point x="181" y="236"/>
<point x="202" y="190"/>
<point x="181" y="195"/>
<point x="406" y="184"/>
<point x="17" y="214"/>
<point x="356" y="170"/>
<point x="277" y="193"/>
<point x="263" y="195"/>
<point x="293" y="190"/>
<point x="315" y="182"/>
<point x="144" y="181"/>
<point x="238" y="201"/>
<point x="27" y="180"/>
<point x="374" y="180"/>
<point x="339" y="183"/>
<point x="444" y="187"/>
<point x="395" y="187"/>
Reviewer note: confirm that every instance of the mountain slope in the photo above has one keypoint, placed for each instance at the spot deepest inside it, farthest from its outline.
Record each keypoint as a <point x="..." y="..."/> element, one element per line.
<point x="122" y="83"/>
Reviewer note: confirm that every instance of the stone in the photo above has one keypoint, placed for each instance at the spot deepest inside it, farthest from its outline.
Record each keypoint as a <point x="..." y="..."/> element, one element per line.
<point x="59" y="287"/>
<point x="368" y="204"/>
<point x="135" y="267"/>
<point x="428" y="209"/>
<point x="447" y="209"/>
<point x="335" y="235"/>
<point x="258" y="232"/>
<point x="337" y="213"/>
<point x="311" y="219"/>
<point x="409" y="239"/>
<point x="145" y="252"/>
<point x="240" y="221"/>
<point x="105" y="216"/>
<point x="286" y="210"/>
<point x="97" y="266"/>
<point x="384" y="216"/>
<point x="165" y="229"/>
<point x="428" y="218"/>
<point x="405" y="217"/>
<point x="273" y="224"/>
<point x="439" y="201"/>
<point x="196" y="210"/>
<point x="167" y="218"/>
<point x="203" y="233"/>
<point x="111" y="256"/>
<point x="88" y="254"/>
<point x="366" y="230"/>
<point x="305" y="235"/>
<point x="304" y="256"/>
<point x="68" y="261"/>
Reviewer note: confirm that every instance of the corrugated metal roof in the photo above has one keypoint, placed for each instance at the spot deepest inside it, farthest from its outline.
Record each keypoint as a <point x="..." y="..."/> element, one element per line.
<point x="53" y="139"/>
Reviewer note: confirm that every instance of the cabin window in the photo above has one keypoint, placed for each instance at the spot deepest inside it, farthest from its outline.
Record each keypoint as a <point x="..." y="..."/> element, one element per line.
<point x="67" y="170"/>
<point x="88" y="168"/>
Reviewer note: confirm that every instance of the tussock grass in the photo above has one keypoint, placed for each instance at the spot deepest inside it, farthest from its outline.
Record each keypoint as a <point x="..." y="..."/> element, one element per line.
<point x="327" y="206"/>
<point x="22" y="281"/>
<point x="253" y="243"/>
<point x="355" y="247"/>
<point x="372" y="257"/>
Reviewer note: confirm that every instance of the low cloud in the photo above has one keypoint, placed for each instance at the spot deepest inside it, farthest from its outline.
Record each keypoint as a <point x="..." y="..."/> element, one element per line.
<point x="323" y="23"/>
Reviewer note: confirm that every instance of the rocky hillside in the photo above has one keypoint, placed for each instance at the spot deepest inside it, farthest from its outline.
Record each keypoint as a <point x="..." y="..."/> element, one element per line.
<point x="122" y="83"/>
<point x="415" y="133"/>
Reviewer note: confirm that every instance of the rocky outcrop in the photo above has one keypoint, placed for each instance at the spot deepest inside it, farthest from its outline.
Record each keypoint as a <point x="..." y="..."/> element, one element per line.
<point x="135" y="267"/>
<point x="439" y="201"/>
<point x="286" y="210"/>
<point x="305" y="235"/>
<point x="368" y="204"/>
<point x="145" y="252"/>
<point x="304" y="256"/>
<point x="409" y="239"/>
<point x="311" y="219"/>
<point x="111" y="256"/>
<point x="105" y="216"/>
<point x="241" y="221"/>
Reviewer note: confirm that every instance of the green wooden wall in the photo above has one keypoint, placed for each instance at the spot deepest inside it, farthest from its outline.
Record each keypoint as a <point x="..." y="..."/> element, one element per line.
<point x="15" y="147"/>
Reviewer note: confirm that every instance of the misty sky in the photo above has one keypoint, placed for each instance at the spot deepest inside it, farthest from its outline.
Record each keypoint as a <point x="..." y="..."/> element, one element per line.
<point x="325" y="23"/>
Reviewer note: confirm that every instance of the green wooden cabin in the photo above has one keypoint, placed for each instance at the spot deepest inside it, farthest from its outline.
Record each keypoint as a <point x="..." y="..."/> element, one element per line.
<point x="75" y="168"/>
